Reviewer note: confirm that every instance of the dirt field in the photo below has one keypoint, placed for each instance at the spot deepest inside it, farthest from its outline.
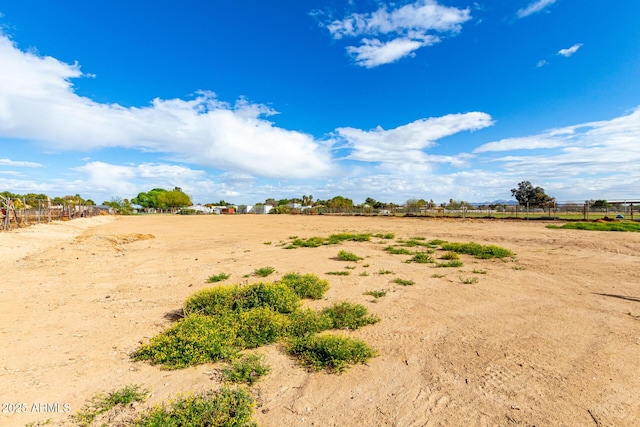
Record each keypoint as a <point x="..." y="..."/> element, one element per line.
<point x="550" y="338"/>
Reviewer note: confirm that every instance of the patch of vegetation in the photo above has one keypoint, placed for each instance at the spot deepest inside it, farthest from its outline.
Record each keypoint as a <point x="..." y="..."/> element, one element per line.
<point x="477" y="250"/>
<point x="469" y="280"/>
<point x="346" y="315"/>
<point x="330" y="352"/>
<point x="518" y="267"/>
<point x="348" y="256"/>
<point x="436" y="242"/>
<point x="404" y="282"/>
<point x="376" y="294"/>
<point x="422" y="258"/>
<point x="102" y="403"/>
<point x="600" y="226"/>
<point x="350" y="267"/>
<point x="246" y="369"/>
<point x="364" y="273"/>
<point x="307" y="322"/>
<point x="263" y="271"/>
<point x="260" y="326"/>
<point x="383" y="272"/>
<point x="192" y="340"/>
<point x="398" y="251"/>
<point x="450" y="255"/>
<point x="334" y="239"/>
<point x="450" y="264"/>
<point x="266" y="243"/>
<point x="338" y="273"/>
<point x="278" y="296"/>
<point x="414" y="242"/>
<point x="386" y="236"/>
<point x="225" y="408"/>
<point x="476" y="271"/>
<point x="218" y="277"/>
<point x="438" y="276"/>
<point x="306" y="286"/>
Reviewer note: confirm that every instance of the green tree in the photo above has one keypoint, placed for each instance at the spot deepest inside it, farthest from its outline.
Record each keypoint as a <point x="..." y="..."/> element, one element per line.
<point x="527" y="194"/>
<point x="340" y="203"/>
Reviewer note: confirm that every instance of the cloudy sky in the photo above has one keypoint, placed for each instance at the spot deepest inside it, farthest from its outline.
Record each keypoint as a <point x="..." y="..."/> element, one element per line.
<point x="245" y="100"/>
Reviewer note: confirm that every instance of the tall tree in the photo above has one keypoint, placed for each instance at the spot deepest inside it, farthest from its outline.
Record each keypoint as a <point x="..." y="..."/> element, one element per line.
<point x="527" y="194"/>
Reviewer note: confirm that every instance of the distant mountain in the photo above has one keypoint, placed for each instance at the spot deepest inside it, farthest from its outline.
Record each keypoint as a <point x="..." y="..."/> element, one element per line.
<point x="496" y="202"/>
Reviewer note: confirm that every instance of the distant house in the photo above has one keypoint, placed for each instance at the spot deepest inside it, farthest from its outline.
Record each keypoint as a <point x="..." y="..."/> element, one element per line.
<point x="262" y="209"/>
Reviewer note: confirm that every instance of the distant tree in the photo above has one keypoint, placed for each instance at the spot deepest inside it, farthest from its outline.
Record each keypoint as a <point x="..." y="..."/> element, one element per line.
<point x="340" y="203"/>
<point x="527" y="194"/>
<point x="600" y="204"/>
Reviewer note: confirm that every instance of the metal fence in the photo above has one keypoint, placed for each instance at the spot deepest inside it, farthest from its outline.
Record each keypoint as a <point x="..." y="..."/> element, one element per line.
<point x="20" y="213"/>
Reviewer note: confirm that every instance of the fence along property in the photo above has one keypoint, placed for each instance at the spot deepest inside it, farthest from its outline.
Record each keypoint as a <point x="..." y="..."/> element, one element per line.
<point x="18" y="213"/>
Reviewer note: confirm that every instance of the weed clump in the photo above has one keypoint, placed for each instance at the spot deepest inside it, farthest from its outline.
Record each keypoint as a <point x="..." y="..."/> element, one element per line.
<point x="404" y="282"/>
<point x="102" y="403"/>
<point x="306" y="286"/>
<point x="397" y="251"/>
<point x="226" y="407"/>
<point x="346" y="315"/>
<point x="422" y="258"/>
<point x="263" y="271"/>
<point x="246" y="369"/>
<point x="477" y="250"/>
<point x="332" y="352"/>
<point x="217" y="278"/>
<point x="348" y="256"/>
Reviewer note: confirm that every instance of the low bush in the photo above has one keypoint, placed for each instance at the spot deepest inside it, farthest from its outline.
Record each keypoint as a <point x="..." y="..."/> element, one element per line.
<point x="214" y="301"/>
<point x="450" y="264"/>
<point x="260" y="326"/>
<point x="404" y="282"/>
<point x="307" y="322"/>
<point x="278" y="296"/>
<point x="192" y="340"/>
<point x="398" y="251"/>
<point x="376" y="294"/>
<point x="422" y="258"/>
<point x="217" y="278"/>
<point x="338" y="273"/>
<point x="263" y="271"/>
<point x="102" y="403"/>
<point x="346" y="315"/>
<point x="450" y="255"/>
<point x="228" y="407"/>
<point x="348" y="256"/>
<point x="331" y="352"/>
<point x="246" y="369"/>
<point x="307" y="285"/>
<point x="477" y="250"/>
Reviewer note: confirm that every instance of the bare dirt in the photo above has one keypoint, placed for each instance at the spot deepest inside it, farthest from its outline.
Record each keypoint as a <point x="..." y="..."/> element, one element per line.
<point x="549" y="338"/>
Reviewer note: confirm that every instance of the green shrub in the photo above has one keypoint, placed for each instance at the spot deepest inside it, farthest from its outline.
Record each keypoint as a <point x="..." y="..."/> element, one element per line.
<point x="346" y="315"/>
<point x="600" y="226"/>
<point x="450" y="255"/>
<point x="311" y="242"/>
<point x="306" y="286"/>
<point x="422" y="258"/>
<point x="246" y="369"/>
<point x="103" y="403"/>
<point x="397" y="251"/>
<point x="348" y="256"/>
<point x="330" y="352"/>
<point x="338" y="273"/>
<point x="214" y="301"/>
<point x="383" y="271"/>
<point x="477" y="250"/>
<point x="387" y="236"/>
<point x="278" y="296"/>
<point x="229" y="407"/>
<point x="376" y="294"/>
<point x="308" y="322"/>
<point x="448" y="264"/>
<point x="260" y="326"/>
<point x="218" y="278"/>
<point x="404" y="282"/>
<point x="192" y="340"/>
<point x="263" y="271"/>
<point x="342" y="237"/>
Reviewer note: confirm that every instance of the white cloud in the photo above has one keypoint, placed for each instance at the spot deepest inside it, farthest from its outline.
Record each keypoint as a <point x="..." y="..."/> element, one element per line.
<point x="404" y="146"/>
<point x="593" y="160"/>
<point x="542" y="63"/>
<point x="570" y="51"/>
<point x="38" y="103"/>
<point x="21" y="164"/>
<point x="402" y="30"/>
<point x="534" y="7"/>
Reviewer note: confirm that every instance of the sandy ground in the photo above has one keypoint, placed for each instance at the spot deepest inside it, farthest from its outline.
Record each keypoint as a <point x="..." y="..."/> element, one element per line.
<point x="550" y="338"/>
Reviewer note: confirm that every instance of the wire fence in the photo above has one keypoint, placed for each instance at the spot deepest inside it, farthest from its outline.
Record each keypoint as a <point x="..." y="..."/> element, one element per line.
<point x="20" y="213"/>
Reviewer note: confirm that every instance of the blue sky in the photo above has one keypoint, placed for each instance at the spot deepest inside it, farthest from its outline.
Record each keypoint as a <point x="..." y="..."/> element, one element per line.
<point x="246" y="100"/>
